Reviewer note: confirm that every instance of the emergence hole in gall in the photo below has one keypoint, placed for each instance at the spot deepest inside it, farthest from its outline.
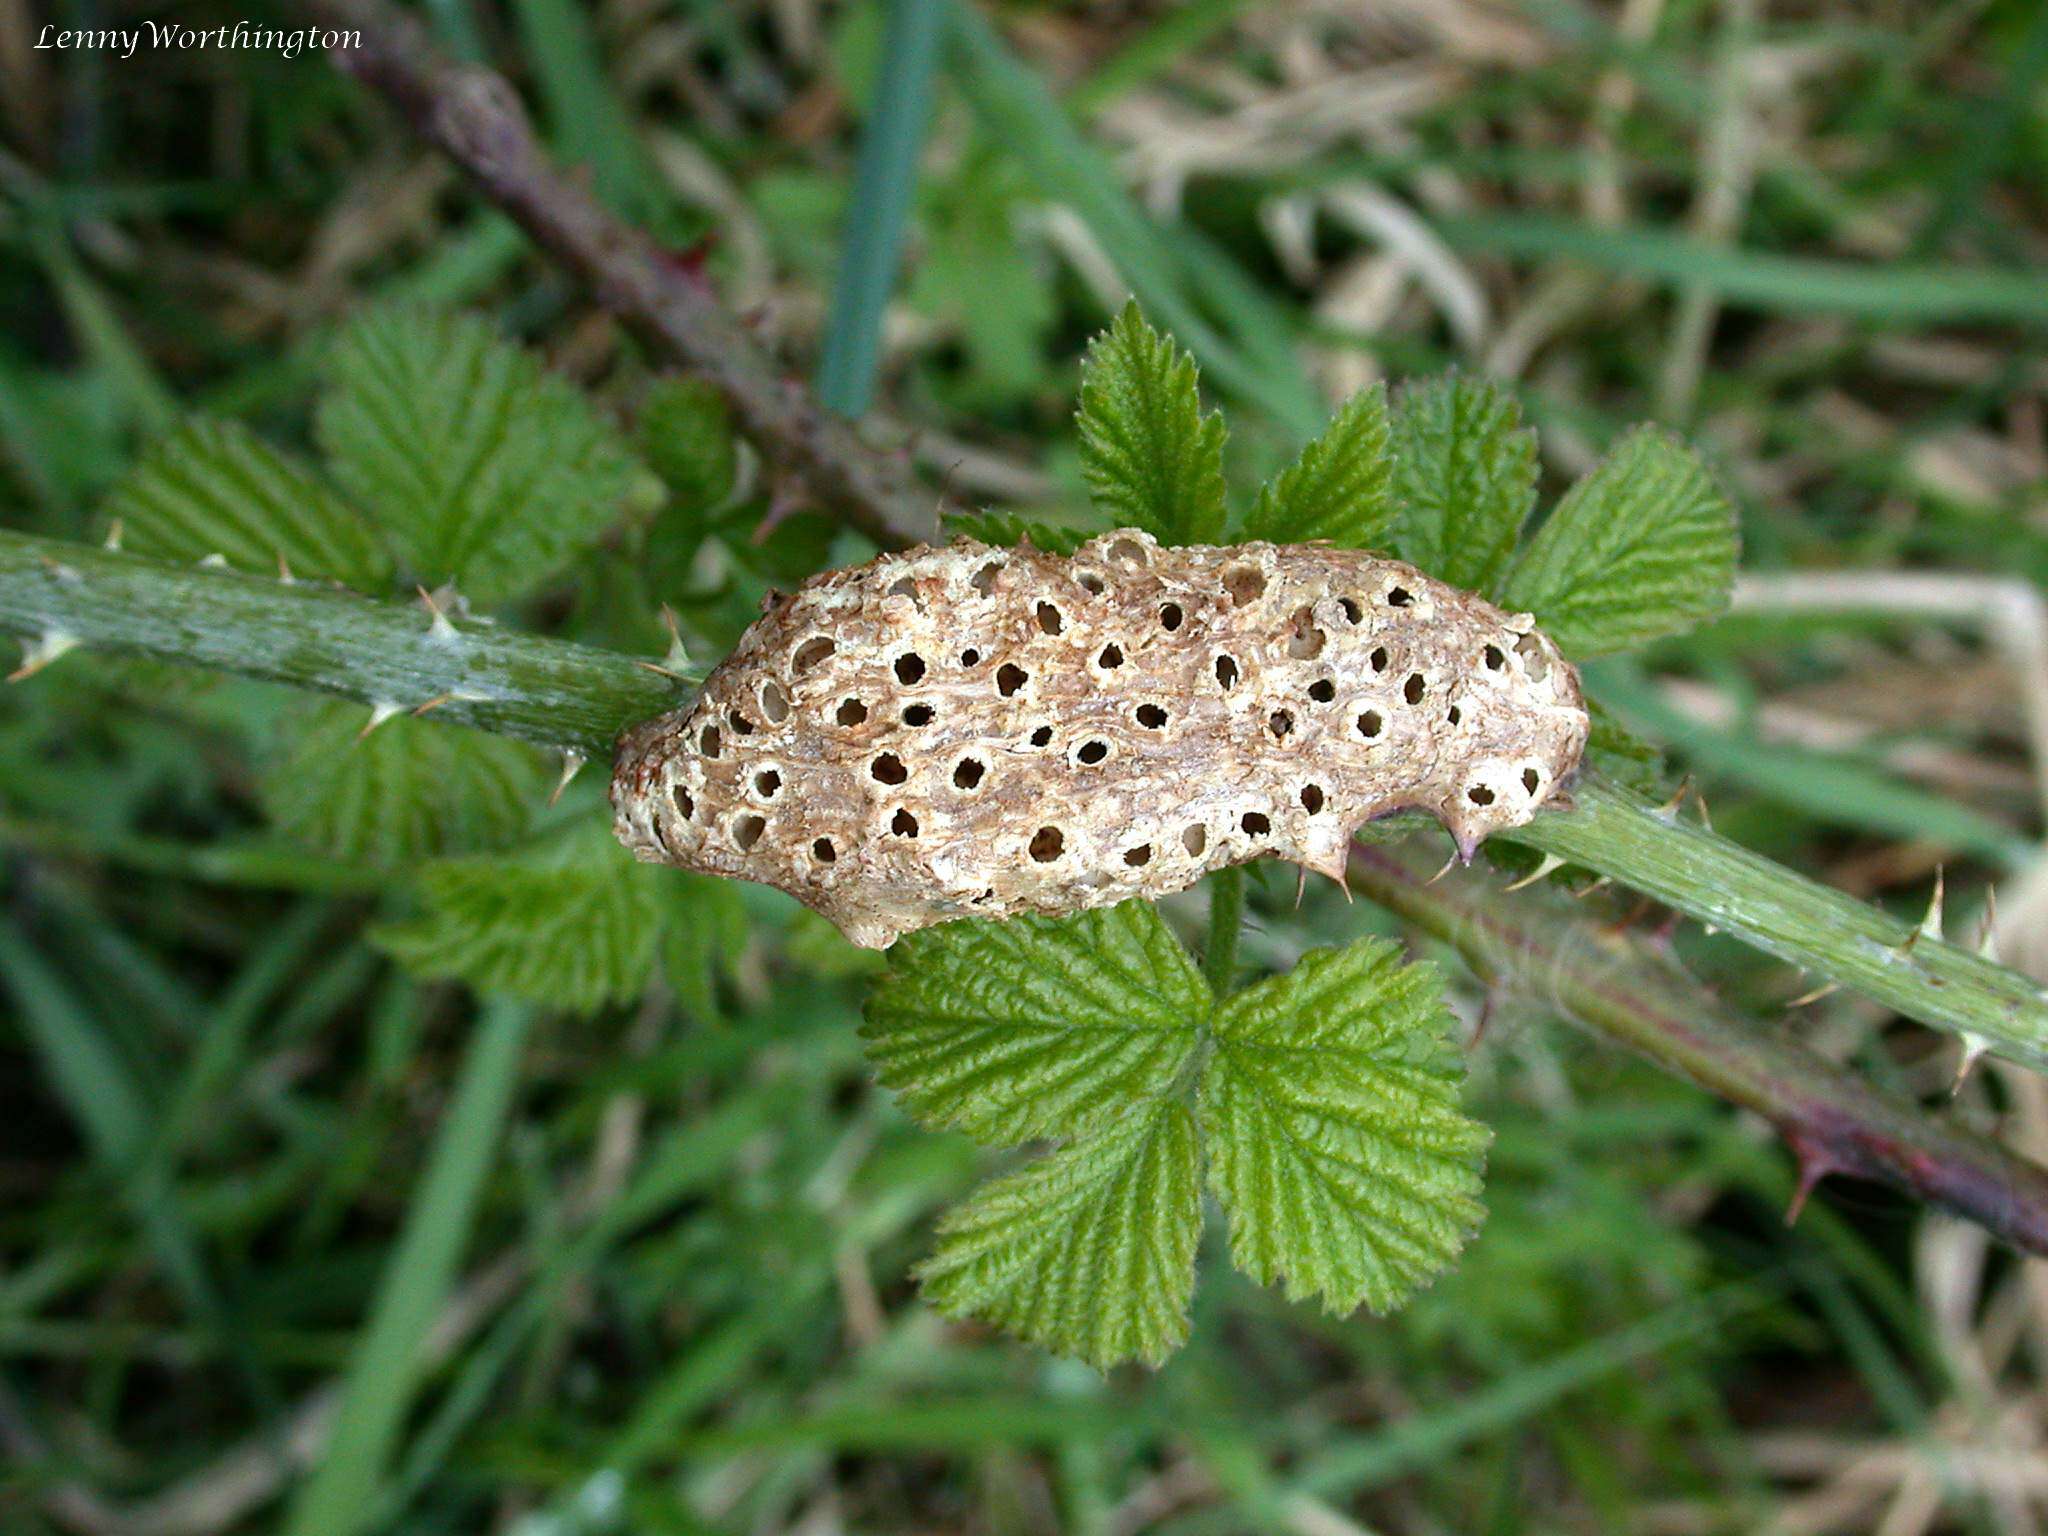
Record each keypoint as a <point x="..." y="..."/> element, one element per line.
<point x="1049" y="619"/>
<point x="909" y="668"/>
<point x="1399" y="597"/>
<point x="1139" y="856"/>
<point x="1322" y="690"/>
<point x="851" y="712"/>
<point x="774" y="703"/>
<point x="1112" y="656"/>
<point x="1305" y="639"/>
<point x="1130" y="551"/>
<point x="684" y="804"/>
<point x="903" y="824"/>
<point x="1414" y="688"/>
<point x="766" y="783"/>
<point x="1092" y="752"/>
<point x="1378" y="658"/>
<point x="1370" y="724"/>
<point x="1226" y="671"/>
<point x="746" y="832"/>
<point x="1256" y="824"/>
<point x="823" y="851"/>
<point x="967" y="773"/>
<point x="1047" y="843"/>
<point x="984" y="580"/>
<point x="1494" y="657"/>
<point x="904" y="586"/>
<point x="1170" y="616"/>
<point x="1195" y="839"/>
<point x="1151" y="716"/>
<point x="1479" y="794"/>
<point x="1280" y="723"/>
<point x="970" y="657"/>
<point x="888" y="769"/>
<point x="741" y="725"/>
<point x="811" y="653"/>
<point x="1453" y="715"/>
<point x="1531" y="780"/>
<point x="918" y="714"/>
<point x="1312" y="798"/>
<point x="708" y="742"/>
<point x="1042" y="736"/>
<point x="1244" y="584"/>
<point x="1092" y="583"/>
<point x="1354" y="611"/>
<point x="1530" y="649"/>
<point x="1010" y="677"/>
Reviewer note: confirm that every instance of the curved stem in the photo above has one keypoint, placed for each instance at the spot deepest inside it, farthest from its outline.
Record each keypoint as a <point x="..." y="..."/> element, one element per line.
<point x="1833" y="935"/>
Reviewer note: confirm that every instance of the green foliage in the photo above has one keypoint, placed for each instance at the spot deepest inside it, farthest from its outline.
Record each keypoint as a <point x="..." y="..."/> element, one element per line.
<point x="1341" y="488"/>
<point x="1336" y="1143"/>
<point x="216" y="488"/>
<point x="1090" y="1250"/>
<point x="1009" y="530"/>
<point x="483" y="467"/>
<point x="1152" y="460"/>
<point x="704" y="933"/>
<point x="1465" y="478"/>
<point x="1035" y="1027"/>
<point x="573" y="924"/>
<point x="1324" y="1102"/>
<point x="409" y="789"/>
<point x="686" y="435"/>
<point x="1642" y="547"/>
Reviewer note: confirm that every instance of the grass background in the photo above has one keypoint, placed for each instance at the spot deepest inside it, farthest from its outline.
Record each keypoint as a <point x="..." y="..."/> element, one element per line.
<point x="289" y="1241"/>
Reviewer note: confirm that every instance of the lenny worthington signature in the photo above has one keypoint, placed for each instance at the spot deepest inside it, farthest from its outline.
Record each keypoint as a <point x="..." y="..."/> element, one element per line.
<point x="289" y="41"/>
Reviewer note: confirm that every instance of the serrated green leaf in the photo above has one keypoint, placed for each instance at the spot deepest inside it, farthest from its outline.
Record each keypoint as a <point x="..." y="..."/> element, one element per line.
<point x="687" y="437"/>
<point x="1008" y="530"/>
<point x="704" y="933"/>
<point x="1152" y="460"/>
<point x="1643" y="546"/>
<point x="1341" y="488"/>
<point x="1037" y="1026"/>
<point x="484" y="468"/>
<point x="216" y="488"/>
<point x="1620" y="754"/>
<point x="1090" y="1250"/>
<point x="1464" y="479"/>
<point x="573" y="925"/>
<point x="1335" y="1142"/>
<point x="410" y="789"/>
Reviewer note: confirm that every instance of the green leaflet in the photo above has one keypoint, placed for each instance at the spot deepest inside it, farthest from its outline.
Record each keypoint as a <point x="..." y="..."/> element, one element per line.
<point x="1035" y="1027"/>
<point x="1336" y="1145"/>
<point x="573" y="924"/>
<point x="1009" y="530"/>
<point x="1644" y="546"/>
<point x="1152" y="460"/>
<point x="704" y="932"/>
<point x="686" y="435"/>
<point x="1464" y="479"/>
<point x="1341" y="488"/>
<point x="1089" y="1251"/>
<point x="216" y="488"/>
<point x="1325" y="1102"/>
<point x="484" y="468"/>
<point x="410" y="789"/>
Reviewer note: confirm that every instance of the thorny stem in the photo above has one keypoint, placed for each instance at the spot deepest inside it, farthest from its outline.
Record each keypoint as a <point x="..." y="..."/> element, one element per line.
<point x="1616" y="832"/>
<point x="401" y="656"/>
<point x="1619" y="987"/>
<point x="576" y="698"/>
<point x="475" y="118"/>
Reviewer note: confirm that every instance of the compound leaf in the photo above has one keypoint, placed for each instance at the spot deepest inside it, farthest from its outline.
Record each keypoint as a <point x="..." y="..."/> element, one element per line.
<point x="573" y="925"/>
<point x="485" y="468"/>
<point x="1038" y="1026"/>
<point x="1464" y="479"/>
<point x="1335" y="1142"/>
<point x="686" y="435"/>
<point x="410" y="789"/>
<point x="1341" y="488"/>
<point x="1090" y="1250"/>
<point x="1152" y="460"/>
<point x="216" y="488"/>
<point x="1642" y="547"/>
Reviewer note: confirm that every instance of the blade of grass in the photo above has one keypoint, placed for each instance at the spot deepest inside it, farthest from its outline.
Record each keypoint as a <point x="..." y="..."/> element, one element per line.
<point x="884" y="179"/>
<point x="416" y="1283"/>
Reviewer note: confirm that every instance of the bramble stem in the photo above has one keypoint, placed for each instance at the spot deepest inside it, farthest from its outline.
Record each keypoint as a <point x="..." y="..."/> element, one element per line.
<point x="1226" y="921"/>
<point x="1833" y="935"/>
<point x="577" y="698"/>
<point x="1619" y="987"/>
<point x="546" y="691"/>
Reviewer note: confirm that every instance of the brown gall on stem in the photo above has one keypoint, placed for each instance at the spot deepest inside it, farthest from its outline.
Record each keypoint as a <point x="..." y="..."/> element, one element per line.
<point x="979" y="732"/>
